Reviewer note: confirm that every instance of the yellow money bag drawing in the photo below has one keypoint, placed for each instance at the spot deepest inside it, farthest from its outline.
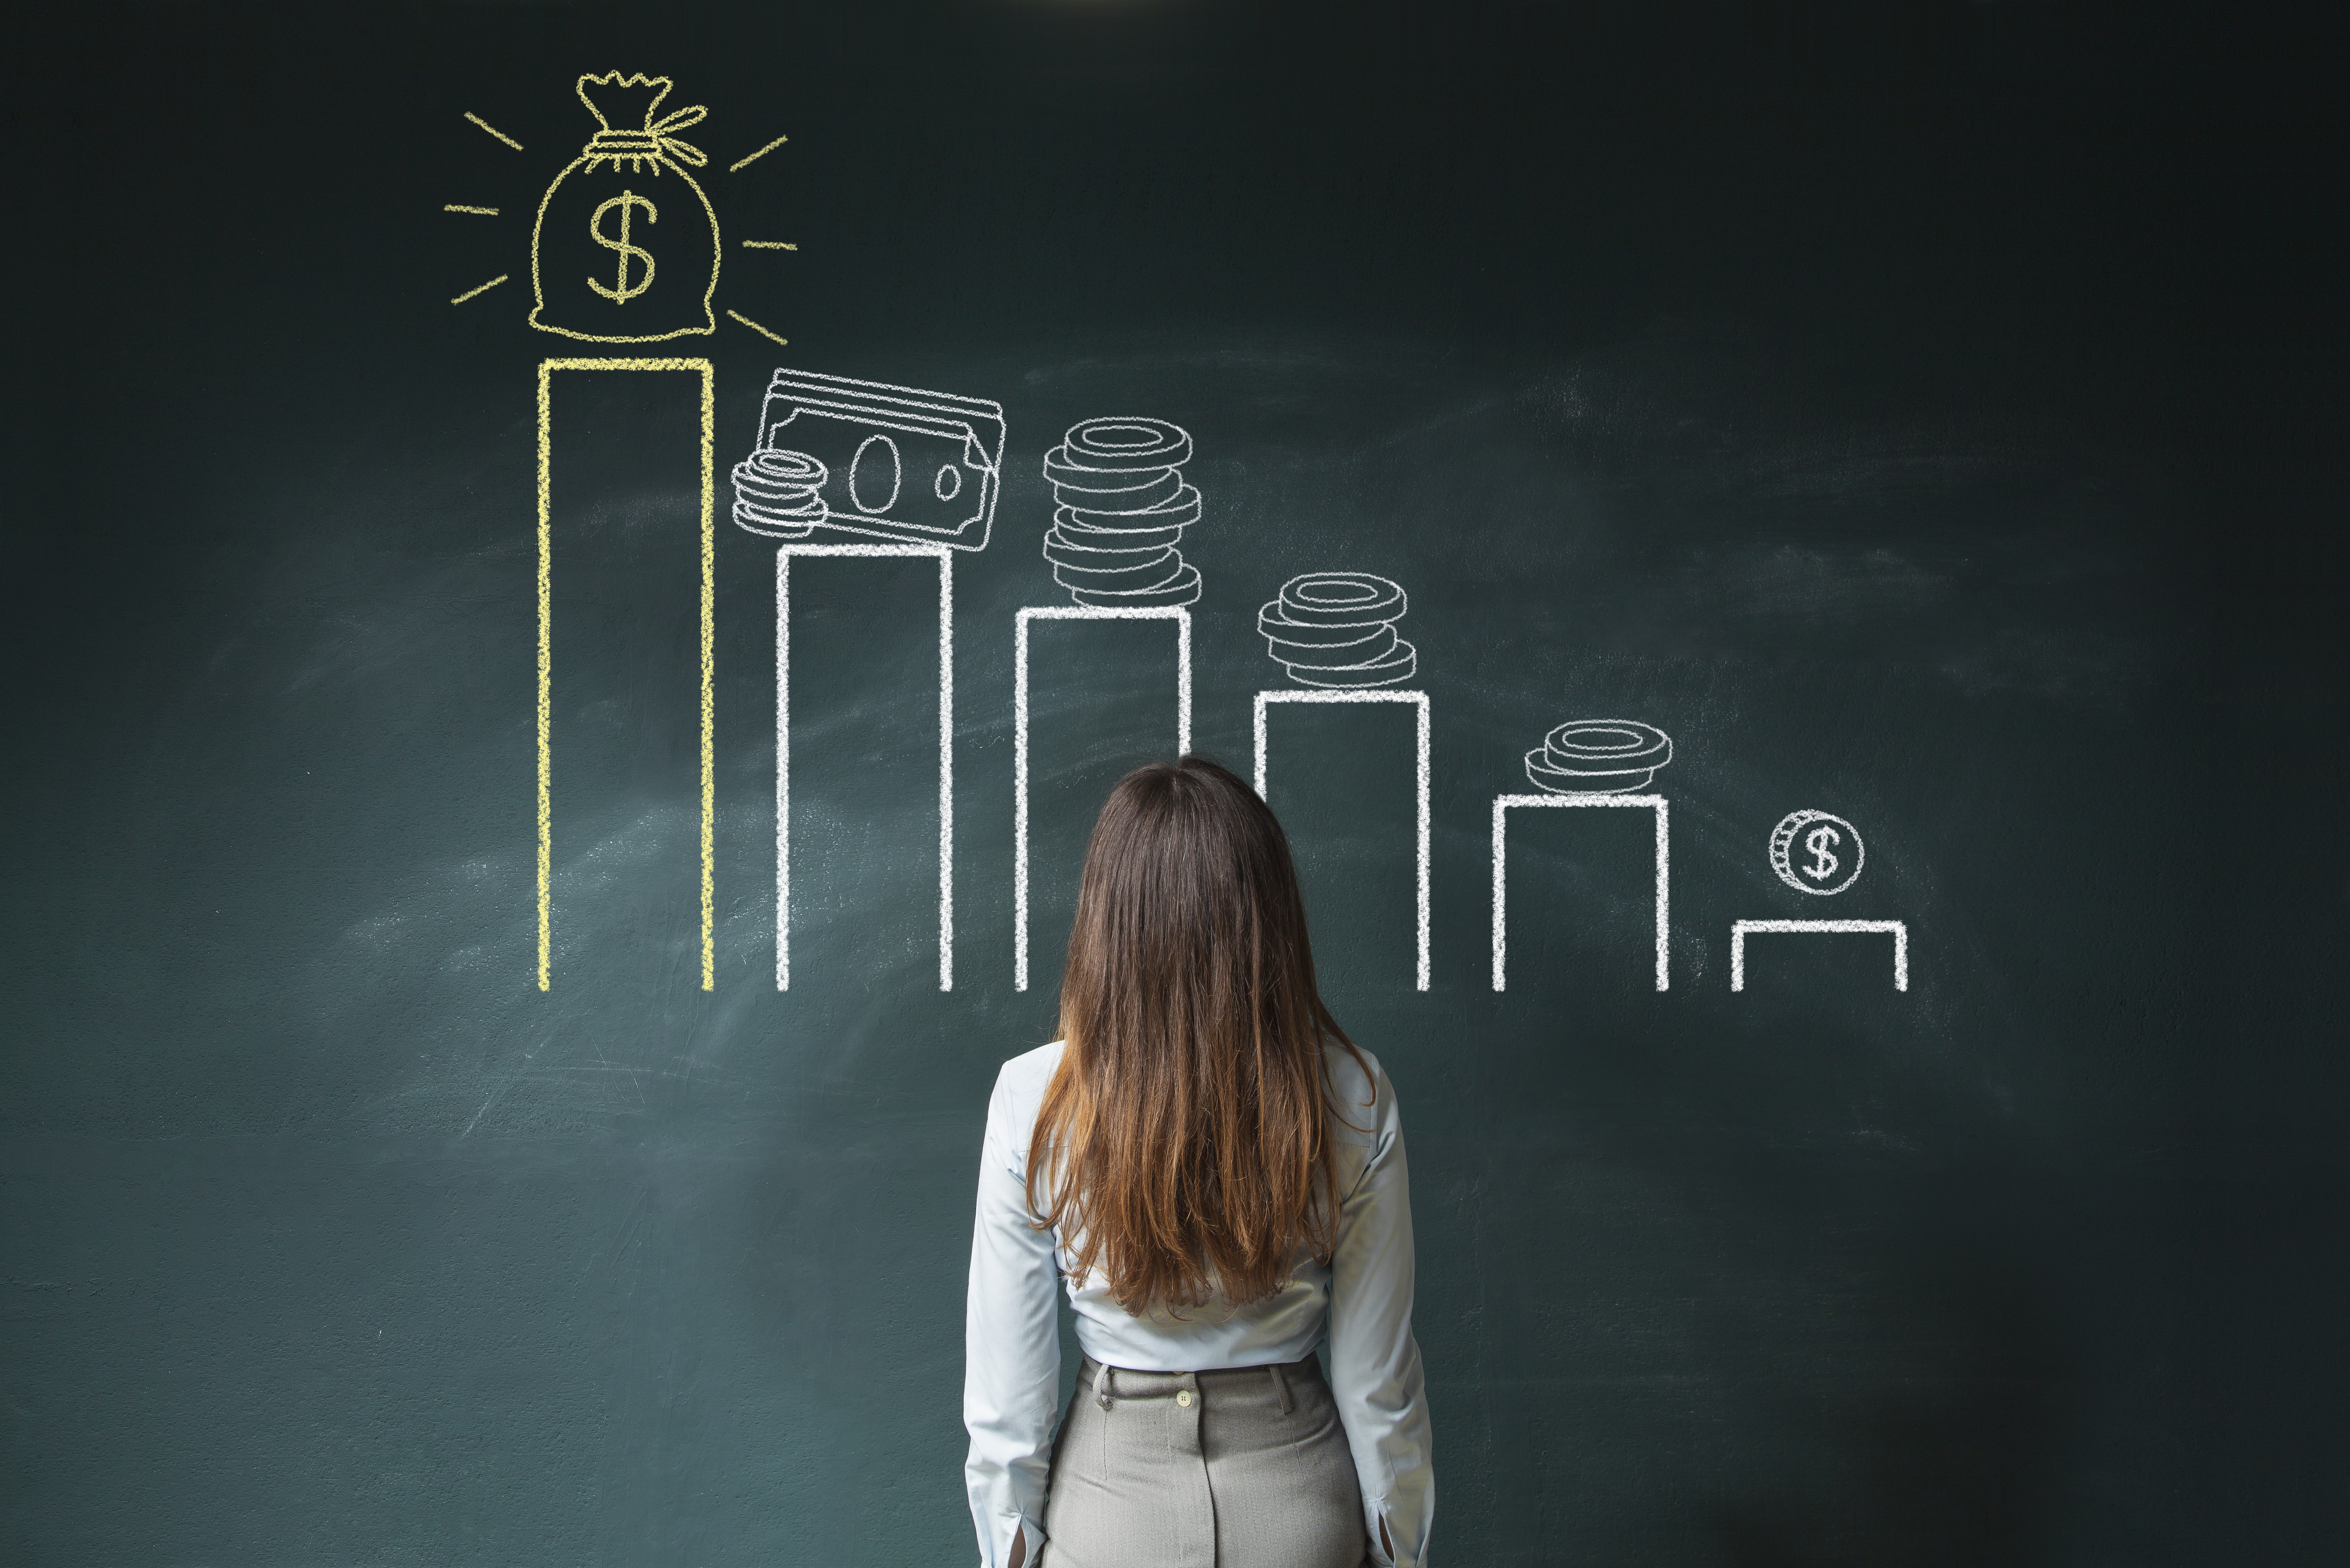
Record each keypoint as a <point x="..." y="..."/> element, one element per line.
<point x="626" y="249"/>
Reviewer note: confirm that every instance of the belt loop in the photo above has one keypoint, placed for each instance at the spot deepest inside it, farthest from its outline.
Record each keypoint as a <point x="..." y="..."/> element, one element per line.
<point x="1280" y="1387"/>
<point x="1103" y="1387"/>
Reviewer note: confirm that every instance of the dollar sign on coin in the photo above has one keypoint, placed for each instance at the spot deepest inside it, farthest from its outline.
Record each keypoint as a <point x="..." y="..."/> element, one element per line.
<point x="1822" y="836"/>
<point x="1823" y="860"/>
<point x="626" y="291"/>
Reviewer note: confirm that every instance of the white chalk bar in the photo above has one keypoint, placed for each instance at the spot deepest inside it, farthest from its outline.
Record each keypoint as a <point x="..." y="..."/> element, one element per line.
<point x="1656" y="803"/>
<point x="1740" y="929"/>
<point x="1417" y="700"/>
<point x="945" y="559"/>
<point x="1020" y="622"/>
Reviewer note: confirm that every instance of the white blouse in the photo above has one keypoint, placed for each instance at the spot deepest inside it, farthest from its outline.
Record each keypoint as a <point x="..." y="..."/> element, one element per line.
<point x="1011" y="1348"/>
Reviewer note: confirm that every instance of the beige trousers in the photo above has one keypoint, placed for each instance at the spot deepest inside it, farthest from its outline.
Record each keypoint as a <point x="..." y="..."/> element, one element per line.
<point x="1244" y="1467"/>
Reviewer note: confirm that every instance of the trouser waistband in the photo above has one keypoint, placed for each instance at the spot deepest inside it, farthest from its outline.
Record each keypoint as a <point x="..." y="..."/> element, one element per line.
<point x="1111" y="1384"/>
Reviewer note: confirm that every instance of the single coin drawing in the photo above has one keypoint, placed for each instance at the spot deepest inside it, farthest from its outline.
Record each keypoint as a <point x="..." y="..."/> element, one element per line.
<point x="1818" y="853"/>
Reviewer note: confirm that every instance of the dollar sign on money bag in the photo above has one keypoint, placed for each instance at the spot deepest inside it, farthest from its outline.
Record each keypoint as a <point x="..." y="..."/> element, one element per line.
<point x="624" y="290"/>
<point x="1824" y="861"/>
<point x="626" y="249"/>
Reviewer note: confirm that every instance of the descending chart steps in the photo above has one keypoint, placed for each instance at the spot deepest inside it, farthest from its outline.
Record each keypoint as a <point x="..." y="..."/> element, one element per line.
<point x="1022" y="622"/>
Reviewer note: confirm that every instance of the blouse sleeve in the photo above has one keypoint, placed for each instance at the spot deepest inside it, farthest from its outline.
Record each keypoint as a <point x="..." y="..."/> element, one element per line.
<point x="1375" y="1369"/>
<point x="1011" y="1348"/>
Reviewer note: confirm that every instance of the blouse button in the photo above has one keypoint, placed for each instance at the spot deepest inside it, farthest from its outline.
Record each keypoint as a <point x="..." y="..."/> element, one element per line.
<point x="1183" y="1397"/>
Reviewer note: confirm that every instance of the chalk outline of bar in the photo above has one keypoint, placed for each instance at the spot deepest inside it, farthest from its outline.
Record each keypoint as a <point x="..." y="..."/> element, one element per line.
<point x="1417" y="698"/>
<point x="1182" y="617"/>
<point x="1502" y="803"/>
<point x="945" y="556"/>
<point x="1739" y="930"/>
<point x="546" y="369"/>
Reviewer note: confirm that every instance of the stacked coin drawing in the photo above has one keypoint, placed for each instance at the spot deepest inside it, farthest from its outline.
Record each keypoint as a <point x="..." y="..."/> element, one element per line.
<point x="1122" y="505"/>
<point x="1599" y="756"/>
<point x="780" y="493"/>
<point x="1336" y="629"/>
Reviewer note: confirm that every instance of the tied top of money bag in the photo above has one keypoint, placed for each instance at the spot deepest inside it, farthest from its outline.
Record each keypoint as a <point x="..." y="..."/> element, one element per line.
<point x="634" y="101"/>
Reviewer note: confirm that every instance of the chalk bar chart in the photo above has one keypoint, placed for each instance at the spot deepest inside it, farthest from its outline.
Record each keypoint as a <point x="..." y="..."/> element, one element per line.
<point x="1656" y="803"/>
<point x="1740" y="929"/>
<point x="1021" y="621"/>
<point x="1419" y="702"/>
<point x="944" y="555"/>
<point x="709" y="601"/>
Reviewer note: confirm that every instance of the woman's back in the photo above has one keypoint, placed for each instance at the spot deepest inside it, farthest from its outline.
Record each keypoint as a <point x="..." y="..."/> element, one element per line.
<point x="1364" y="1125"/>
<point x="1215" y="1174"/>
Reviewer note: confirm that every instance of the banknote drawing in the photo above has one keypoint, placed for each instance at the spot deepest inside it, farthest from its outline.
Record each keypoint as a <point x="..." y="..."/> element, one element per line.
<point x="873" y="458"/>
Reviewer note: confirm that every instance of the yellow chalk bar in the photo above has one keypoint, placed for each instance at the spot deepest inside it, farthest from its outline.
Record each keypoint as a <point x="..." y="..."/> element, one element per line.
<point x="546" y="369"/>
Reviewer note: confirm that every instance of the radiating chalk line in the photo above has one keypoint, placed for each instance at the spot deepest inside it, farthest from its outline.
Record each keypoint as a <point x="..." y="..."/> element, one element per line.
<point x="547" y="368"/>
<point x="484" y="288"/>
<point x="759" y="329"/>
<point x="1417" y="700"/>
<point x="1020" y="620"/>
<point x="477" y="211"/>
<point x="767" y="246"/>
<point x="493" y="130"/>
<point x="737" y="168"/>
<point x="783" y="743"/>
<point x="1656" y="803"/>
<point x="1740" y="929"/>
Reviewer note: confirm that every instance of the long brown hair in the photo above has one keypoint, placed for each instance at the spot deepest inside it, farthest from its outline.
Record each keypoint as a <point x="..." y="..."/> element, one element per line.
<point x="1184" y="1129"/>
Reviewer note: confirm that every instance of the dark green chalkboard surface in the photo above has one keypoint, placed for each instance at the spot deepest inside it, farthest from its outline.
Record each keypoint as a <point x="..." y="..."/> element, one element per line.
<point x="1933" y="420"/>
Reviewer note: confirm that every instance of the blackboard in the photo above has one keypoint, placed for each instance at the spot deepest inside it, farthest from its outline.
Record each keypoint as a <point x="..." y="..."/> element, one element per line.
<point x="1928" y="418"/>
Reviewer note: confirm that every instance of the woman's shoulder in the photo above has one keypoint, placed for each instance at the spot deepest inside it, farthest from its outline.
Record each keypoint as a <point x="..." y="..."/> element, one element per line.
<point x="1020" y="1086"/>
<point x="1362" y="1099"/>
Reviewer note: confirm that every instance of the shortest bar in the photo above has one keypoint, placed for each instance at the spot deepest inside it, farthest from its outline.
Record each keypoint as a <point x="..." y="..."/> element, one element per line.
<point x="1739" y="930"/>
